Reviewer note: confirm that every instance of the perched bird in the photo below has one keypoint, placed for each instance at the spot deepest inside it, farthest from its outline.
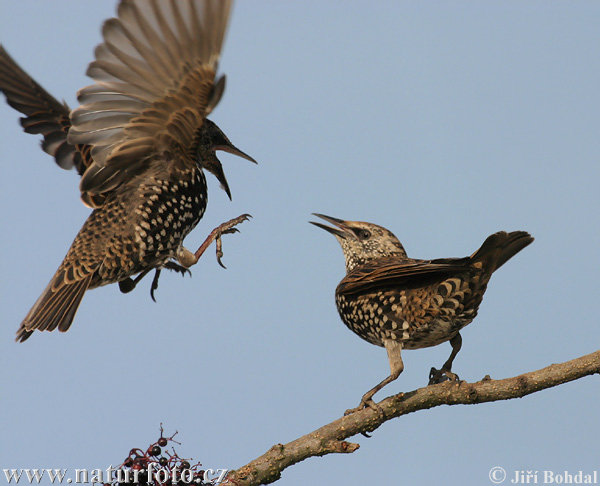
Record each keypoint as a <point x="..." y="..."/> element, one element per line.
<point x="140" y="140"/>
<point x="398" y="303"/>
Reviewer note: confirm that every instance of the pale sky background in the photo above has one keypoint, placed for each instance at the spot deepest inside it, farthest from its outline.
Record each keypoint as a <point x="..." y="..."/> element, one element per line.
<point x="444" y="122"/>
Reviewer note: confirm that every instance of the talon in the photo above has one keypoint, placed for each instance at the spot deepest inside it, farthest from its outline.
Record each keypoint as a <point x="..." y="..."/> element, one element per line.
<point x="219" y="245"/>
<point x="215" y="235"/>
<point x="364" y="404"/>
<point x="361" y="406"/>
<point x="177" y="268"/>
<point x="154" y="284"/>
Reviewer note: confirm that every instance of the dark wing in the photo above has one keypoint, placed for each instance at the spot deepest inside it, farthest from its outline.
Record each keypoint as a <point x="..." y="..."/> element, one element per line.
<point x="154" y="85"/>
<point x="401" y="274"/>
<point x="44" y="115"/>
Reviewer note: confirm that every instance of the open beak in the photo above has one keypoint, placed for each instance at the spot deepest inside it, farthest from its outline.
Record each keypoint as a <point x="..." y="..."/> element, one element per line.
<point x="341" y="230"/>
<point x="214" y="164"/>
<point x="235" y="151"/>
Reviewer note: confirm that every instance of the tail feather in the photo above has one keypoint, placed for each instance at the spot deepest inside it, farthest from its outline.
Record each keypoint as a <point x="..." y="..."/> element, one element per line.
<point x="500" y="247"/>
<point x="55" y="308"/>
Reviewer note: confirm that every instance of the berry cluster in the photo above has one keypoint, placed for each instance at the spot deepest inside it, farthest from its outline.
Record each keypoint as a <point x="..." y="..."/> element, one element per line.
<point x="158" y="467"/>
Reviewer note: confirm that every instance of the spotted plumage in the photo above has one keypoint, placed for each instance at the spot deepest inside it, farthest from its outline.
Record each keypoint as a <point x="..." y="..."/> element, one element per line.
<point x="398" y="302"/>
<point x="140" y="140"/>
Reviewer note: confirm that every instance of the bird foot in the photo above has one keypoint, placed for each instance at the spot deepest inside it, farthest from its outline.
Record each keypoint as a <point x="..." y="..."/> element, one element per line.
<point x="368" y="403"/>
<point x="439" y="376"/>
<point x="175" y="267"/>
<point x="215" y="235"/>
<point x="154" y="284"/>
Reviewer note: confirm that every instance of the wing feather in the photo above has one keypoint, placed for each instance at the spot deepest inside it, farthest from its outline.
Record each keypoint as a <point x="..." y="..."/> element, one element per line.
<point x="387" y="272"/>
<point x="154" y="85"/>
<point x="44" y="115"/>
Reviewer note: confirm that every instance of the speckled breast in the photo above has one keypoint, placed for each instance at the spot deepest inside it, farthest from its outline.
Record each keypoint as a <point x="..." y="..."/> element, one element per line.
<point x="413" y="320"/>
<point x="169" y="211"/>
<point x="149" y="224"/>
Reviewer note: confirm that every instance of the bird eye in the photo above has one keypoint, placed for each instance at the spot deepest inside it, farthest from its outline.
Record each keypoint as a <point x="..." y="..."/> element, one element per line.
<point x="364" y="234"/>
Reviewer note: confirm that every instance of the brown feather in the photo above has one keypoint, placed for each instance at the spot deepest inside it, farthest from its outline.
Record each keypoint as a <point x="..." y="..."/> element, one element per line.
<point x="56" y="307"/>
<point x="44" y="115"/>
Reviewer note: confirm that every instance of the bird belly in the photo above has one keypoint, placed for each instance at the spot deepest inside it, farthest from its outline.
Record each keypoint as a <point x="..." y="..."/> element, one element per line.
<point x="364" y="317"/>
<point x="138" y="229"/>
<point x="370" y="318"/>
<point x="436" y="332"/>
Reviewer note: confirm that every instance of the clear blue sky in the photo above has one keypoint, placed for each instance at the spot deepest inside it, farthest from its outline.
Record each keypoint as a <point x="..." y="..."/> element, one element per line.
<point x="444" y="122"/>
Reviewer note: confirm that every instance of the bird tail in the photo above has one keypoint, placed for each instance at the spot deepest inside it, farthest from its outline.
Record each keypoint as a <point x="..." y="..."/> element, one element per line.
<point x="55" y="308"/>
<point x="500" y="247"/>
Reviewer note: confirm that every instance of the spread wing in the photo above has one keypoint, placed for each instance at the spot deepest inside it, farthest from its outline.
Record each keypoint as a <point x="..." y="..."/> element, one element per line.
<point x="154" y="85"/>
<point x="44" y="115"/>
<point x="406" y="274"/>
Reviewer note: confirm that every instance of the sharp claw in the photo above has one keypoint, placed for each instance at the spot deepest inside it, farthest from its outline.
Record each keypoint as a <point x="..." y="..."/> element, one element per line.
<point x="219" y="256"/>
<point x="226" y="228"/>
<point x="367" y="404"/>
<point x="154" y="285"/>
<point x="219" y="245"/>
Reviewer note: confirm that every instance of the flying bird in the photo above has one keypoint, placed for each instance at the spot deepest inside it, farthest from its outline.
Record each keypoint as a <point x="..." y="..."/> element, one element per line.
<point x="141" y="142"/>
<point x="398" y="302"/>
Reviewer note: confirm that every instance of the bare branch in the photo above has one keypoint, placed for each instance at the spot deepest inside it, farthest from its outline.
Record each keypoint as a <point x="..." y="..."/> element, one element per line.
<point x="331" y="437"/>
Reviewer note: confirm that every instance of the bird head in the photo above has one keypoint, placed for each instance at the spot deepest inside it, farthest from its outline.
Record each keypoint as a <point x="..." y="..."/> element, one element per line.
<point x="362" y="242"/>
<point x="211" y="139"/>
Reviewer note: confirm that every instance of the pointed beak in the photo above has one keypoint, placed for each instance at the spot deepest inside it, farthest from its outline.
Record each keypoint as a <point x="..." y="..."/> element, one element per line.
<point x="342" y="230"/>
<point x="213" y="165"/>
<point x="235" y="151"/>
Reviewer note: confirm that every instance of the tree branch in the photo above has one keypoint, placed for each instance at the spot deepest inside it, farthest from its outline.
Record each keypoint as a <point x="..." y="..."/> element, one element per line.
<point x="331" y="437"/>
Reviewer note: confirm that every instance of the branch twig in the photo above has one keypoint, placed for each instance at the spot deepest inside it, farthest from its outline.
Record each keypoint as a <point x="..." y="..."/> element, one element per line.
<point x="331" y="437"/>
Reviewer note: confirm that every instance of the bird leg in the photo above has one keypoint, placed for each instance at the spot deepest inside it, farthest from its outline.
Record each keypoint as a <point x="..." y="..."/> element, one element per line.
<point x="187" y="258"/>
<point x="394" y="349"/>
<point x="444" y="374"/>
<point x="170" y="266"/>
<point x="127" y="285"/>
